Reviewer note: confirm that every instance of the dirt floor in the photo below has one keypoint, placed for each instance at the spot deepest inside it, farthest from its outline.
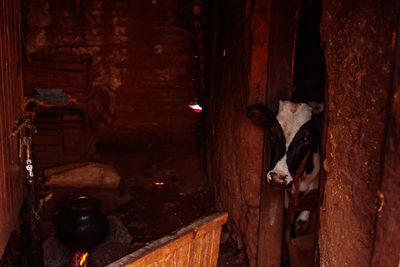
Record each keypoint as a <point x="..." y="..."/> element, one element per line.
<point x="160" y="191"/>
<point x="166" y="187"/>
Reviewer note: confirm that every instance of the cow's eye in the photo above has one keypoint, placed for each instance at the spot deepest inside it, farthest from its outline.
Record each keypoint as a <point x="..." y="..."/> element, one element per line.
<point x="306" y="139"/>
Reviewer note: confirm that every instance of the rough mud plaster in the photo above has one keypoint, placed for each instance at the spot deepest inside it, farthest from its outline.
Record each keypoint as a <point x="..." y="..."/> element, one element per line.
<point x="387" y="236"/>
<point x="234" y="144"/>
<point x="359" y="54"/>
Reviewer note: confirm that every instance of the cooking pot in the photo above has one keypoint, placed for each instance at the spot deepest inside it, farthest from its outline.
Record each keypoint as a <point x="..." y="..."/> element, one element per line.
<point x="80" y="224"/>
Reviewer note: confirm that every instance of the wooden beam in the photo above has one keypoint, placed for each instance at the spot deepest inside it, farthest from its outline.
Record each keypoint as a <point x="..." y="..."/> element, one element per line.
<point x="283" y="28"/>
<point x="11" y="95"/>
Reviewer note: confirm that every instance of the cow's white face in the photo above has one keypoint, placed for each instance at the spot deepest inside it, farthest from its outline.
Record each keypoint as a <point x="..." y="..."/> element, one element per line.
<point x="294" y="135"/>
<point x="291" y="117"/>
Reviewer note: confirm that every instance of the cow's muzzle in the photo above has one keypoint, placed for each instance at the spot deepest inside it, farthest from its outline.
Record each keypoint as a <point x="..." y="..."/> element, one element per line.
<point x="279" y="180"/>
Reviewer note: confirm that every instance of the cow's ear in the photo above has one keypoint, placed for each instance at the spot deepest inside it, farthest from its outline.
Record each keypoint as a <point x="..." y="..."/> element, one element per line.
<point x="317" y="107"/>
<point x="259" y="114"/>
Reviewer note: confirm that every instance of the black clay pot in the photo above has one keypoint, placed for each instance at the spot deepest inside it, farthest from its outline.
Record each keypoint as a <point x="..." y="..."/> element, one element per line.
<point x="80" y="225"/>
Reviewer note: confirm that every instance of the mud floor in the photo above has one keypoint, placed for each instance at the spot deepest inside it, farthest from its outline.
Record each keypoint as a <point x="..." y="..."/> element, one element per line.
<point x="161" y="190"/>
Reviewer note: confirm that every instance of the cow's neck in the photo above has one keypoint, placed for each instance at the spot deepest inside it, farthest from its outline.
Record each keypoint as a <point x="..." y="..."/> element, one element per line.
<point x="309" y="181"/>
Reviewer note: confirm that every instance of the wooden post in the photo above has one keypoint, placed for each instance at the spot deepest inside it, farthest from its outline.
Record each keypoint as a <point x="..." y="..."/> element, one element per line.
<point x="11" y="99"/>
<point x="283" y="25"/>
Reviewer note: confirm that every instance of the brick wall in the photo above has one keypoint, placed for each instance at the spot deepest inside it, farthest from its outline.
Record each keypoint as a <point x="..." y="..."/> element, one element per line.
<point x="142" y="72"/>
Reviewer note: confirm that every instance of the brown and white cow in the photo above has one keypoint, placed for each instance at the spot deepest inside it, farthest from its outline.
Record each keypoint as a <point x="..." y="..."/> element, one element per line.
<point x="295" y="138"/>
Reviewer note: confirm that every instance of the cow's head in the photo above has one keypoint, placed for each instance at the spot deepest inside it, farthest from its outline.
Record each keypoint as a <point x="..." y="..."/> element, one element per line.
<point x="295" y="132"/>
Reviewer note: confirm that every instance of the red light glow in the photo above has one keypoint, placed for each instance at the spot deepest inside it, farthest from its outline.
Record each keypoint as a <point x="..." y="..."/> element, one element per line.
<point x="196" y="108"/>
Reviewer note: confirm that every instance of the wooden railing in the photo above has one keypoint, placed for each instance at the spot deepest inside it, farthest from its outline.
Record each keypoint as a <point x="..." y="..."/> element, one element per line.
<point x="196" y="245"/>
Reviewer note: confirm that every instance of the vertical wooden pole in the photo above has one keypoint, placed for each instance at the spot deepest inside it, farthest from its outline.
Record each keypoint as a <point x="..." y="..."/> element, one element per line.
<point x="283" y="29"/>
<point x="11" y="99"/>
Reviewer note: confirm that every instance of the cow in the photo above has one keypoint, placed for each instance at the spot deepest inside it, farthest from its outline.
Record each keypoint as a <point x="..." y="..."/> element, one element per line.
<point x="295" y="139"/>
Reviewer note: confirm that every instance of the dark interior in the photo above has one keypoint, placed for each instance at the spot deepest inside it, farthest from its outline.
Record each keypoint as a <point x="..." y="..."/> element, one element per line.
<point x="309" y="65"/>
<point x="136" y="111"/>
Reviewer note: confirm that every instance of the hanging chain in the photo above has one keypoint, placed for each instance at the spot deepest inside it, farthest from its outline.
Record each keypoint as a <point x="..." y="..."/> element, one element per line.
<point x="35" y="213"/>
<point x="29" y="167"/>
<point x="26" y="131"/>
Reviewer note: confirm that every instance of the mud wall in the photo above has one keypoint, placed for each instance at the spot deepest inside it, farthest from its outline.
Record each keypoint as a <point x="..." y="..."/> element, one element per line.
<point x="11" y="98"/>
<point x="240" y="49"/>
<point x="132" y="66"/>
<point x="387" y="236"/>
<point x="359" y="38"/>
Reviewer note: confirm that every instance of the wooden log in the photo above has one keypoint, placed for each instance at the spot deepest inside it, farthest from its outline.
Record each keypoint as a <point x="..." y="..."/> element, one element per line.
<point x="83" y="175"/>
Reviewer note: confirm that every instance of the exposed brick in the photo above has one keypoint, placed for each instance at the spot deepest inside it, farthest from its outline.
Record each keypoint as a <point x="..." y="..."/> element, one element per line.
<point x="144" y="66"/>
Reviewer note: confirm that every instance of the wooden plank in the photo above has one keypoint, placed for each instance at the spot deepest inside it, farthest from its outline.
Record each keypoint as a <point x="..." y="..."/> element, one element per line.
<point x="11" y="182"/>
<point x="47" y="140"/>
<point x="207" y="249"/>
<point x="195" y="253"/>
<point x="170" y="260"/>
<point x="83" y="60"/>
<point x="50" y="79"/>
<point x="56" y="127"/>
<point x="280" y="77"/>
<point x="260" y="31"/>
<point x="49" y="71"/>
<point x="386" y="250"/>
<point x="215" y="252"/>
<point x="53" y="120"/>
<point x="70" y="62"/>
<point x="282" y="48"/>
<point x="187" y="244"/>
<point x="182" y="255"/>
